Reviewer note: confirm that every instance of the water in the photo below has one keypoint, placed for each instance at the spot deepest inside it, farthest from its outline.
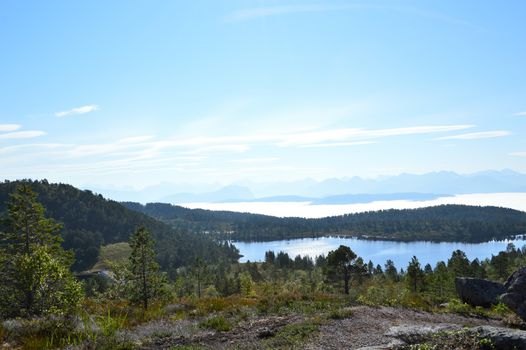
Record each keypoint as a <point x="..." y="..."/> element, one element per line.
<point x="306" y="209"/>
<point x="376" y="251"/>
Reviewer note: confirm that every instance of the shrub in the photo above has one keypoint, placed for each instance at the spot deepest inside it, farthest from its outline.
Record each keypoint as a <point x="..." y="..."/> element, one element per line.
<point x="218" y="323"/>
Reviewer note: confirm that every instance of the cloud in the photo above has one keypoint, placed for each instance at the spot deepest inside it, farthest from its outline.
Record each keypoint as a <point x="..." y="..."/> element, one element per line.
<point x="518" y="154"/>
<point x="337" y="144"/>
<point x="255" y="160"/>
<point x="9" y="127"/>
<point x="219" y="149"/>
<point x="476" y="135"/>
<point x="137" y="139"/>
<point x="354" y="135"/>
<point x="520" y="114"/>
<point x="21" y="135"/>
<point x="267" y="11"/>
<point x="77" y="110"/>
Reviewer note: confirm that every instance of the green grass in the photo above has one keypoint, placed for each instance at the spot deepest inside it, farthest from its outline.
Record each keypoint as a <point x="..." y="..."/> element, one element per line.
<point x="117" y="253"/>
<point x="218" y="323"/>
<point x="292" y="336"/>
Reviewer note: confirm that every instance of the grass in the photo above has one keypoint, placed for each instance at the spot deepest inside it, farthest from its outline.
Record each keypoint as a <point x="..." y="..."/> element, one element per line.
<point x="292" y="336"/>
<point x="218" y="323"/>
<point x="117" y="253"/>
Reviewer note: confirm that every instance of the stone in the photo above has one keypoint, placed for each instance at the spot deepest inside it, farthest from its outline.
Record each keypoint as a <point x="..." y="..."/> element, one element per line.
<point x="515" y="295"/>
<point x="265" y="332"/>
<point x="502" y="338"/>
<point x="414" y="334"/>
<point x="478" y="291"/>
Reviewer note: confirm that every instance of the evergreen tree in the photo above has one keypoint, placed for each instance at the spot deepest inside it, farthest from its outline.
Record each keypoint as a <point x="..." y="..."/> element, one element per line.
<point x="200" y="270"/>
<point x="415" y="276"/>
<point x="442" y="282"/>
<point x="34" y="268"/>
<point x="145" y="281"/>
<point x="459" y="265"/>
<point x="342" y="260"/>
<point x="390" y="270"/>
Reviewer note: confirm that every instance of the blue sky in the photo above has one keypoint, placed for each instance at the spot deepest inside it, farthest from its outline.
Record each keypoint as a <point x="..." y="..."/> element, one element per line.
<point x="133" y="93"/>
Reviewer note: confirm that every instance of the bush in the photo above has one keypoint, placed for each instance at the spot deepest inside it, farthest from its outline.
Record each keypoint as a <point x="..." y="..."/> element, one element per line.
<point x="218" y="323"/>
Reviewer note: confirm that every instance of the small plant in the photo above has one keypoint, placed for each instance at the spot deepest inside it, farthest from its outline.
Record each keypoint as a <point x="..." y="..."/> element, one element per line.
<point x="293" y="335"/>
<point x="340" y="314"/>
<point x="109" y="324"/>
<point x="218" y="323"/>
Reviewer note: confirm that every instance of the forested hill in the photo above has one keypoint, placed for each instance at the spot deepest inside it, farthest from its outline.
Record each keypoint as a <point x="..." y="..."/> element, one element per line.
<point x="91" y="221"/>
<point x="460" y="223"/>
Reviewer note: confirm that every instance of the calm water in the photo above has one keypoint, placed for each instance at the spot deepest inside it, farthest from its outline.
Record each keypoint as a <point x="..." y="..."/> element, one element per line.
<point x="306" y="209"/>
<point x="377" y="251"/>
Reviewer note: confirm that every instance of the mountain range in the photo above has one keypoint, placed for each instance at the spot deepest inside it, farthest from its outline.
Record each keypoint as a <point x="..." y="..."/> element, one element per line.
<point x="330" y="191"/>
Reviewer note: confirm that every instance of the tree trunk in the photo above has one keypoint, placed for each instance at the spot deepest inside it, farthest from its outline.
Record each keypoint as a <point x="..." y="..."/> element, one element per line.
<point x="346" y="278"/>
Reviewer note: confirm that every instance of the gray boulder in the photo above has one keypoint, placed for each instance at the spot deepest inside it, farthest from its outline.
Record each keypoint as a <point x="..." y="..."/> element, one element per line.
<point x="478" y="292"/>
<point x="515" y="295"/>
<point x="502" y="338"/>
<point x="414" y="334"/>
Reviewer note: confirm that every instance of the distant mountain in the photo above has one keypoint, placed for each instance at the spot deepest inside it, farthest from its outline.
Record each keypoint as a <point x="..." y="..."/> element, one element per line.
<point x="443" y="182"/>
<point x="225" y="194"/>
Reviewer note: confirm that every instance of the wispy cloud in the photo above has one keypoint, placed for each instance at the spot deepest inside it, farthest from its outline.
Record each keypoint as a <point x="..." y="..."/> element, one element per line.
<point x="337" y="144"/>
<point x="267" y="11"/>
<point x="520" y="114"/>
<point x="353" y="135"/>
<point x="255" y="160"/>
<point x="518" y="154"/>
<point x="22" y="134"/>
<point x="9" y="127"/>
<point x="77" y="110"/>
<point x="476" y="135"/>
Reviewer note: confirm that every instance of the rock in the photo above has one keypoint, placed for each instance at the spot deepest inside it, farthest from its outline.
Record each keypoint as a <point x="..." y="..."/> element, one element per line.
<point x="392" y="345"/>
<point x="478" y="292"/>
<point x="515" y="295"/>
<point x="265" y="332"/>
<point x="502" y="338"/>
<point x="414" y="334"/>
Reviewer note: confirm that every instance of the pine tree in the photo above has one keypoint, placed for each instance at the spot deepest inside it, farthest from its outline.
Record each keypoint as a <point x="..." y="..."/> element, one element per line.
<point x="343" y="261"/>
<point x="145" y="282"/>
<point x="34" y="268"/>
<point x="415" y="275"/>
<point x="200" y="271"/>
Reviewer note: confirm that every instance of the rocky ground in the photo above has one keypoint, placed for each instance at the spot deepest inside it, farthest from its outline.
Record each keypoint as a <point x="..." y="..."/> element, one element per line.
<point x="359" y="327"/>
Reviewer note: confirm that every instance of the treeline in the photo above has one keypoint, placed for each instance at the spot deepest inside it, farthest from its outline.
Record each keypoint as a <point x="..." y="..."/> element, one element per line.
<point x="342" y="270"/>
<point x="453" y="223"/>
<point x="89" y="221"/>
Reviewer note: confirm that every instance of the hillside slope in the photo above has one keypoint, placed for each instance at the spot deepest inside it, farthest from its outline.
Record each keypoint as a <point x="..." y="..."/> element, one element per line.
<point x="90" y="221"/>
<point x="440" y="223"/>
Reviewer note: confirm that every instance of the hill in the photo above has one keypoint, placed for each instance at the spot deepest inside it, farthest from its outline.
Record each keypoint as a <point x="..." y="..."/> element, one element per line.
<point x="451" y="223"/>
<point x="90" y="221"/>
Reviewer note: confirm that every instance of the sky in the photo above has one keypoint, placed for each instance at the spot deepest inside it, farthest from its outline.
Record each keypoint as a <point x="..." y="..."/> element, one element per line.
<point x="134" y="93"/>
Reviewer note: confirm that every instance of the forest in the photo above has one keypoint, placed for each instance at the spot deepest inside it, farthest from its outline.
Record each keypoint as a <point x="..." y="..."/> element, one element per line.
<point x="445" y="223"/>
<point x="143" y="303"/>
<point x="90" y="221"/>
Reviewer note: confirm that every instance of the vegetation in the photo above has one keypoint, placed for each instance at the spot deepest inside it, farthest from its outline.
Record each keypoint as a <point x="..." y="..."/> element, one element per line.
<point x="90" y="221"/>
<point x="145" y="281"/>
<point x="288" y="298"/>
<point x="34" y="268"/>
<point x="460" y="223"/>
